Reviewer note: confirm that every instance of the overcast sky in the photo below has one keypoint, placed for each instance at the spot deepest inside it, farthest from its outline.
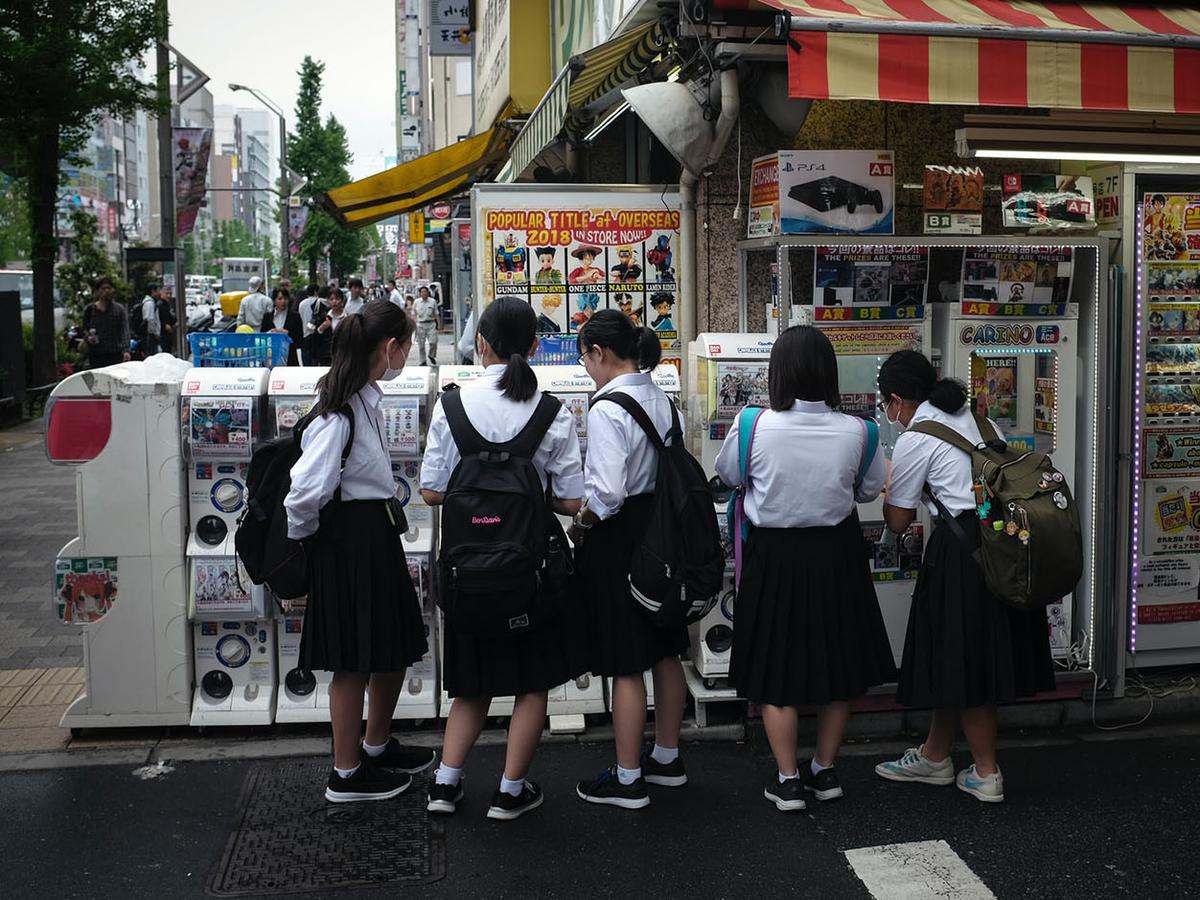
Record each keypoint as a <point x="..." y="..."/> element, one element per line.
<point x="261" y="43"/>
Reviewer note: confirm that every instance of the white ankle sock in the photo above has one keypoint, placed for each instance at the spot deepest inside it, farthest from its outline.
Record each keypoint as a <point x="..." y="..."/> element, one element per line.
<point x="373" y="749"/>
<point x="816" y="768"/>
<point x="346" y="773"/>
<point x="512" y="788"/>
<point x="664" y="756"/>
<point x="447" y="775"/>
<point x="783" y="778"/>
<point x="628" y="776"/>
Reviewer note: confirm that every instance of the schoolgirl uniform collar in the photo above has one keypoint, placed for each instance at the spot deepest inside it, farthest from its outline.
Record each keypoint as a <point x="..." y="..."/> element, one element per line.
<point x="810" y="406"/>
<point x="629" y="379"/>
<point x="370" y="395"/>
<point x="495" y="370"/>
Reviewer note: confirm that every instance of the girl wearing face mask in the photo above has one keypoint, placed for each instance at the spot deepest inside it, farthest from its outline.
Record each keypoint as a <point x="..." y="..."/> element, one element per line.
<point x="363" y="620"/>
<point x="964" y="650"/>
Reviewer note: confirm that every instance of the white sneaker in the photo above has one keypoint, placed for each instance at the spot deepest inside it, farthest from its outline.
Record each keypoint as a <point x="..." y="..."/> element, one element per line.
<point x="913" y="766"/>
<point x="989" y="788"/>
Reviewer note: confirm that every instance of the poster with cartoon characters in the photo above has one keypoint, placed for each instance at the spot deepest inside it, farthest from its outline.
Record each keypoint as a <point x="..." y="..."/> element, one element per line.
<point x="994" y="388"/>
<point x="865" y="277"/>
<point x="570" y="255"/>
<point x="1016" y="279"/>
<point x="220" y="585"/>
<point x="740" y="385"/>
<point x="1171" y="226"/>
<point x="219" y="429"/>
<point x="85" y="588"/>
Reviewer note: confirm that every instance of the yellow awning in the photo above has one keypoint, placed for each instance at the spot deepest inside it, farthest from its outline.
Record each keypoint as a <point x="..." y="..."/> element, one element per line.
<point x="418" y="182"/>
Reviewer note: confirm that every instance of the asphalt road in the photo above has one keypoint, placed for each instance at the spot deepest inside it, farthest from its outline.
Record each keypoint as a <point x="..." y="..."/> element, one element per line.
<point x="1099" y="818"/>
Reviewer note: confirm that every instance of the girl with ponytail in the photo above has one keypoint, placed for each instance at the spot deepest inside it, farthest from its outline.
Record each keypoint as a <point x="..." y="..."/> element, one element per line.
<point x="619" y="478"/>
<point x="363" y="620"/>
<point x="964" y="650"/>
<point x="527" y="664"/>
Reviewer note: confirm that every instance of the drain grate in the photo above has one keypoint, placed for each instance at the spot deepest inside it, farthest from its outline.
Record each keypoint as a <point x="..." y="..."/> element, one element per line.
<point x="289" y="839"/>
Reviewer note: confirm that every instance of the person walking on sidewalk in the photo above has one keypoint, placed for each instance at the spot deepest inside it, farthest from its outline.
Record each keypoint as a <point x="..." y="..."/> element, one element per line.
<point x="619" y="477"/>
<point x="426" y="312"/>
<point x="285" y="320"/>
<point x="363" y="620"/>
<point x="151" y="326"/>
<point x="357" y="299"/>
<point x="255" y="306"/>
<point x="500" y="407"/>
<point x="964" y="650"/>
<point x="105" y="327"/>
<point x="809" y="629"/>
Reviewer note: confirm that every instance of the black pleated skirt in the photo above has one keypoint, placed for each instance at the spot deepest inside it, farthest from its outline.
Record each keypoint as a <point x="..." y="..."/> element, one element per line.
<point x="363" y="614"/>
<point x="807" y="626"/>
<point x="963" y="647"/>
<point x="618" y="638"/>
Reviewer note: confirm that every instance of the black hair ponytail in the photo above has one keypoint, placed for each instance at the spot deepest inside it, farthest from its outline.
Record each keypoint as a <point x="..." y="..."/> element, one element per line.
<point x="910" y="376"/>
<point x="615" y="331"/>
<point x="509" y="326"/>
<point x="354" y="345"/>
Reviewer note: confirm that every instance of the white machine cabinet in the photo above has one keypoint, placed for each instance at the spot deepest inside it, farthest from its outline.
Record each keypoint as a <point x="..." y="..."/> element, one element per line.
<point x="122" y="580"/>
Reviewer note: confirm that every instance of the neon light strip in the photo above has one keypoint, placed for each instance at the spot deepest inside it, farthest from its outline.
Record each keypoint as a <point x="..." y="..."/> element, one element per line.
<point x="1095" y="477"/>
<point x="1137" y="437"/>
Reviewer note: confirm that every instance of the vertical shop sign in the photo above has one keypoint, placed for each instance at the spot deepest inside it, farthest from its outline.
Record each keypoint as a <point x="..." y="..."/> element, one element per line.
<point x="190" y="151"/>
<point x="449" y="28"/>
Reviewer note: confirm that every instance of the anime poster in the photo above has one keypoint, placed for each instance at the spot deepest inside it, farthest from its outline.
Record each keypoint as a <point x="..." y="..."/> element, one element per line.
<point x="219" y="429"/>
<point x="866" y="277"/>
<point x="289" y="412"/>
<point x="1171" y="453"/>
<point x="610" y="249"/>
<point x="1174" y="280"/>
<point x="994" y="388"/>
<point x="1015" y="277"/>
<point x="401" y="423"/>
<point x="1171" y="516"/>
<point x="1173" y="320"/>
<point x="740" y="385"/>
<point x="1044" y="404"/>
<point x="1173" y="399"/>
<point x="220" y="585"/>
<point x="85" y="588"/>
<point x="1172" y="359"/>
<point x="1171" y="226"/>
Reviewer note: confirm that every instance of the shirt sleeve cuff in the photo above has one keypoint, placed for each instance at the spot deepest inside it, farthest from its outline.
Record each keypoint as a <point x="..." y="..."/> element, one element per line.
<point x="434" y="478"/>
<point x="569" y="487"/>
<point x="603" y="510"/>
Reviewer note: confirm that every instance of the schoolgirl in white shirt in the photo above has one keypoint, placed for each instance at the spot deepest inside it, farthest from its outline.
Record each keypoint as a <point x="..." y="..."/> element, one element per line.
<point x="619" y="477"/>
<point x="363" y="619"/>
<point x="964" y="650"/>
<point x="499" y="405"/>
<point x="808" y="629"/>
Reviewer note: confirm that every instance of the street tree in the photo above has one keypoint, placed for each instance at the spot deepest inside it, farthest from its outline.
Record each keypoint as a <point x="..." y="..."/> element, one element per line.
<point x="89" y="261"/>
<point x="63" y="63"/>
<point x="14" y="221"/>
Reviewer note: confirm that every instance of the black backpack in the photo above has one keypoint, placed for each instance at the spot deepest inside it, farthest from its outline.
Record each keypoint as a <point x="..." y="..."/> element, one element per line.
<point x="268" y="554"/>
<point x="676" y="573"/>
<point x="137" y="320"/>
<point x="504" y="562"/>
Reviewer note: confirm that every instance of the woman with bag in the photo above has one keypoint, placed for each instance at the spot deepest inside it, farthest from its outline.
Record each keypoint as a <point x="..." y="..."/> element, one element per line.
<point x="363" y="619"/>
<point x="498" y="408"/>
<point x="809" y="631"/>
<point x="964" y="650"/>
<point x="619" y="476"/>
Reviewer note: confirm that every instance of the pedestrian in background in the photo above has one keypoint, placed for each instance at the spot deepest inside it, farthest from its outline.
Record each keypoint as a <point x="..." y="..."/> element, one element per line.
<point x="964" y="650"/>
<point x="809" y="628"/>
<point x="105" y="327"/>
<point x="151" y="326"/>
<point x="620" y="473"/>
<point x="394" y="294"/>
<point x="285" y="320"/>
<point x="499" y="406"/>
<point x="425" y="310"/>
<point x="307" y="308"/>
<point x="329" y="313"/>
<point x="363" y="619"/>
<point x="254" y="306"/>
<point x="356" y="300"/>
<point x="167" y="320"/>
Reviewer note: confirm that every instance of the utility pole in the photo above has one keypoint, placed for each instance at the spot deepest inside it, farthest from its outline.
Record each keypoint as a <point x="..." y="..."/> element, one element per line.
<point x="166" y="173"/>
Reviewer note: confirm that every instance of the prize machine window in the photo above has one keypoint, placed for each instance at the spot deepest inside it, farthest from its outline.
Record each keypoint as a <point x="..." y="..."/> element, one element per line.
<point x="1018" y="389"/>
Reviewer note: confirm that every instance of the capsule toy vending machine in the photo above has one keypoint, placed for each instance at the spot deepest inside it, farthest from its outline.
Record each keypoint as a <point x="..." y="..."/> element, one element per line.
<point x="405" y="409"/>
<point x="223" y="418"/>
<point x="729" y="373"/>
<point x="301" y="695"/>
<point x="1023" y="338"/>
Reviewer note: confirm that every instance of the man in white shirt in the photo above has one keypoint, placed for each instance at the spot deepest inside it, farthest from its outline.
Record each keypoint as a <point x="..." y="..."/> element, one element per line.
<point x="356" y="301"/>
<point x="426" y="311"/>
<point x="394" y="294"/>
<point x="150" y="320"/>
<point x="254" y="306"/>
<point x="306" y="308"/>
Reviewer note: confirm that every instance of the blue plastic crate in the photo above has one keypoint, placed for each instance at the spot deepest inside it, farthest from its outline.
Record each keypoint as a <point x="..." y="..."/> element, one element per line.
<point x="555" y="350"/>
<point x="248" y="351"/>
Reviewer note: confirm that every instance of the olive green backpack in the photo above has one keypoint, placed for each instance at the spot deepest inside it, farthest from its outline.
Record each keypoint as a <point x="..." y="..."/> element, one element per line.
<point x="1031" y="548"/>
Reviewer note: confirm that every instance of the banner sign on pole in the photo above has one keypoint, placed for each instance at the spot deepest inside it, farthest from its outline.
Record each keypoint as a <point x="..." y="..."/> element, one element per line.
<point x="190" y="151"/>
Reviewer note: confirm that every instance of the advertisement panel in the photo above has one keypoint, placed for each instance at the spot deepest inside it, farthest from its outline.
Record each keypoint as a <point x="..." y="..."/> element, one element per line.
<point x="190" y="148"/>
<point x="570" y="252"/>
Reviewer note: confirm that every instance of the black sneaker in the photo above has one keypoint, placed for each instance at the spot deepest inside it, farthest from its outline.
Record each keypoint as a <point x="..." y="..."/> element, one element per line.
<point x="824" y="785"/>
<point x="401" y="758"/>
<point x="606" y="788"/>
<point x="366" y="783"/>
<point x="505" y="806"/>
<point x="670" y="774"/>
<point x="444" y="798"/>
<point x="788" y="796"/>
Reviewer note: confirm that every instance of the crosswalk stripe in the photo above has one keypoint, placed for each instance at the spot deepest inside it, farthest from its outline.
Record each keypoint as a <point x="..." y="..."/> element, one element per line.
<point x="916" y="871"/>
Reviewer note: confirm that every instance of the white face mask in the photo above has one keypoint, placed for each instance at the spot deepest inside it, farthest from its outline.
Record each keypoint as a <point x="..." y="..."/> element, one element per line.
<point x="897" y="424"/>
<point x="393" y="373"/>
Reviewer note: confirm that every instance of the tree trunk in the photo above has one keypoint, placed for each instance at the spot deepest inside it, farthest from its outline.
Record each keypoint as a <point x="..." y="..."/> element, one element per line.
<point x="312" y="269"/>
<point x="43" y="200"/>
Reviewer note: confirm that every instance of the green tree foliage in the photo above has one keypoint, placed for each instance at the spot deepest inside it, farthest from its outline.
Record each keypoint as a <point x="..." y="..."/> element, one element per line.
<point x="14" y="221"/>
<point x="321" y="153"/>
<point x="89" y="261"/>
<point x="62" y="62"/>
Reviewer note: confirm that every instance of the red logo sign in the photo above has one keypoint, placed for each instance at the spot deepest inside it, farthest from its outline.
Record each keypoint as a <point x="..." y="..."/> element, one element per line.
<point x="880" y="168"/>
<point x="439" y="211"/>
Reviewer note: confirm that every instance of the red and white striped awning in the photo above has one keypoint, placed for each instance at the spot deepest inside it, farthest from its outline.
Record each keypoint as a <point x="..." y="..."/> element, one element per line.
<point x="1061" y="55"/>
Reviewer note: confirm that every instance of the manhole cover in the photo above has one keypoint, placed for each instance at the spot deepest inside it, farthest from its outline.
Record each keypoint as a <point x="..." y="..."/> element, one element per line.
<point x="289" y="839"/>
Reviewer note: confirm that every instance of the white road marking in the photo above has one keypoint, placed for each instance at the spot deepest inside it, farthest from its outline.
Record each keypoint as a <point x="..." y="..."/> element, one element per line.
<point x="154" y="770"/>
<point x="916" y="871"/>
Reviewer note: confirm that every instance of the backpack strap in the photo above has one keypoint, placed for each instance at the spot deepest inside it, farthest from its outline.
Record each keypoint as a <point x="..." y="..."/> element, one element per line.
<point x="468" y="440"/>
<point x="869" y="446"/>
<point x="740" y="531"/>
<point x="524" y="444"/>
<point x="639" y="415"/>
<point x="948" y="434"/>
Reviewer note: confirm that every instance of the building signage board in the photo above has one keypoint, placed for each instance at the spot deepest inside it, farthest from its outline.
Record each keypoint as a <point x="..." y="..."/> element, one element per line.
<point x="501" y="76"/>
<point x="449" y="28"/>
